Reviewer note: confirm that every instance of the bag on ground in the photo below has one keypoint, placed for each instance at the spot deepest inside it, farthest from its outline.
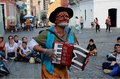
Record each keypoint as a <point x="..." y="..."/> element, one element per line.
<point x="3" y="69"/>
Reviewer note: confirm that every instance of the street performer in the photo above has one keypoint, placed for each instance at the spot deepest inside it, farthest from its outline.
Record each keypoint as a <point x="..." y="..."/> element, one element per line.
<point x="44" y="43"/>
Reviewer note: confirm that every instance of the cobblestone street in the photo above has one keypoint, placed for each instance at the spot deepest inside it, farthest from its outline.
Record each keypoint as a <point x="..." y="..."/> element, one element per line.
<point x="104" y="41"/>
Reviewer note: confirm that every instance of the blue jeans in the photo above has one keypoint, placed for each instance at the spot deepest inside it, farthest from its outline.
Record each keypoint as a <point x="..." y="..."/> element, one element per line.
<point x="27" y="58"/>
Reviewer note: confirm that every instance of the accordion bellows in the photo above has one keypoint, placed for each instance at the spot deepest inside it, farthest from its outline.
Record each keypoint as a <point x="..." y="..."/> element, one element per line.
<point x="81" y="57"/>
<point x="68" y="54"/>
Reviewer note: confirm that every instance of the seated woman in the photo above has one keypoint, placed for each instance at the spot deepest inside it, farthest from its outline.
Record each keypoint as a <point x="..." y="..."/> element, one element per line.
<point x="92" y="47"/>
<point x="24" y="52"/>
<point x="2" y="47"/>
<point x="11" y="48"/>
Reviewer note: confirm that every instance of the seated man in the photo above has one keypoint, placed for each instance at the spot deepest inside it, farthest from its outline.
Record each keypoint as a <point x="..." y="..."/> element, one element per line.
<point x="113" y="68"/>
<point x="112" y="56"/>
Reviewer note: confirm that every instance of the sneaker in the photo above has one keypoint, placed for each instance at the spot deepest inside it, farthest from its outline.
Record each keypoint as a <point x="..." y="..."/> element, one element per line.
<point x="107" y="71"/>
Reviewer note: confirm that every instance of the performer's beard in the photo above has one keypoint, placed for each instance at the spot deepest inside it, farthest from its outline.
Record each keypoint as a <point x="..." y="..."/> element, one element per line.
<point x="62" y="25"/>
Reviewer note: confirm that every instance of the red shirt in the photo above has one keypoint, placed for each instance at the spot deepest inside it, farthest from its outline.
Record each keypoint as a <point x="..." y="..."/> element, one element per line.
<point x="2" y="47"/>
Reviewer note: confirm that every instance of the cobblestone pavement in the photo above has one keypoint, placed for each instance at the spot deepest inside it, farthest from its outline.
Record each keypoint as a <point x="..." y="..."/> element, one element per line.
<point x="104" y="42"/>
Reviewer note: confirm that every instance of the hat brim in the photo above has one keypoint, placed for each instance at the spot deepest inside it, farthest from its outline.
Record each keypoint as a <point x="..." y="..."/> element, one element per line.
<point x="58" y="10"/>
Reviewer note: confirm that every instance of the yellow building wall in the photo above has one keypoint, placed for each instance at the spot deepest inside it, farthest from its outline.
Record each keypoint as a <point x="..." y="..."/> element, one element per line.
<point x="52" y="7"/>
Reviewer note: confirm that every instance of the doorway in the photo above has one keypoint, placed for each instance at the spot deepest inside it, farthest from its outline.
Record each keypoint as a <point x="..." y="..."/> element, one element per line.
<point x="113" y="16"/>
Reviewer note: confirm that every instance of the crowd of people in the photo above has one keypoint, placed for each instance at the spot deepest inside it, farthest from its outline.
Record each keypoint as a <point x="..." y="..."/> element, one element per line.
<point x="16" y="49"/>
<point x="112" y="64"/>
<point x="95" y="24"/>
<point x="27" y="24"/>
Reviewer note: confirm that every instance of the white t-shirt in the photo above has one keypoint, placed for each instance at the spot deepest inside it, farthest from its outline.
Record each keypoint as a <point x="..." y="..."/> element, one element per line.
<point x="81" y="20"/>
<point x="118" y="58"/>
<point x="24" y="51"/>
<point x="77" y="21"/>
<point x="32" y="43"/>
<point x="11" y="48"/>
<point x="19" y="43"/>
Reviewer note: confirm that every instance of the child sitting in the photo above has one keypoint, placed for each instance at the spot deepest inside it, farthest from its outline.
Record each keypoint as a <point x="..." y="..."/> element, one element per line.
<point x="92" y="47"/>
<point x="24" y="52"/>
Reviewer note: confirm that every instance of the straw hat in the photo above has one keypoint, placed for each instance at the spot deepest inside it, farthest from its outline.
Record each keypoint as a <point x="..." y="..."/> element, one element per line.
<point x="58" y="10"/>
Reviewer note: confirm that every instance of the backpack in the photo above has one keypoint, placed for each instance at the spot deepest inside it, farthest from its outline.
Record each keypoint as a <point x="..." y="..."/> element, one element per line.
<point x="3" y="69"/>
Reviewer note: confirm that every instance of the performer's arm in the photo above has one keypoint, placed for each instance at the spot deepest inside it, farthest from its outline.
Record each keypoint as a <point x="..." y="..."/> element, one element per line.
<point x="37" y="47"/>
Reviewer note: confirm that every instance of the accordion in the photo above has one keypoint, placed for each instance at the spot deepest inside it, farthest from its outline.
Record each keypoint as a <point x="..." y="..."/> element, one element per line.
<point x="81" y="57"/>
<point x="63" y="53"/>
<point x="71" y="55"/>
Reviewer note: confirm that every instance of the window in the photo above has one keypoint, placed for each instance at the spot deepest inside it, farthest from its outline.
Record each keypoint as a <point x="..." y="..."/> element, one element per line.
<point x="85" y="15"/>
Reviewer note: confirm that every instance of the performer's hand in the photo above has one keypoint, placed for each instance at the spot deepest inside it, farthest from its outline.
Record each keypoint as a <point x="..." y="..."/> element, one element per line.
<point x="50" y="53"/>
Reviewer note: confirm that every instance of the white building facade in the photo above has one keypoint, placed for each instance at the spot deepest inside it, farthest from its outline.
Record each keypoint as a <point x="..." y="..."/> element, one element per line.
<point x="101" y="9"/>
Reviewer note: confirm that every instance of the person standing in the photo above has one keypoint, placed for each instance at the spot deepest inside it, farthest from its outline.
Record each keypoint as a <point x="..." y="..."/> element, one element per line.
<point x="44" y="43"/>
<point x="97" y="25"/>
<point x="81" y="22"/>
<point x="27" y="27"/>
<point x="108" y="24"/>
<point x="77" y="26"/>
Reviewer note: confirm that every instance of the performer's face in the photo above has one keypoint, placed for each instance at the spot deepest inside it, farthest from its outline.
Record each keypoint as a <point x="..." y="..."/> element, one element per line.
<point x="62" y="19"/>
